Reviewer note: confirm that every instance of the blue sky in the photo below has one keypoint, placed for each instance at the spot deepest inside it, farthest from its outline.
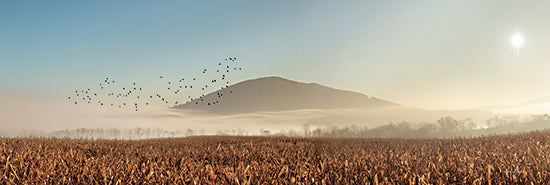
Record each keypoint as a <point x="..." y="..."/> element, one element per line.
<point x="451" y="54"/>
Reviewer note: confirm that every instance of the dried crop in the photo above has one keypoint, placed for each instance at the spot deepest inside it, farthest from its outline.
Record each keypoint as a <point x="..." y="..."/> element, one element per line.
<point x="506" y="159"/>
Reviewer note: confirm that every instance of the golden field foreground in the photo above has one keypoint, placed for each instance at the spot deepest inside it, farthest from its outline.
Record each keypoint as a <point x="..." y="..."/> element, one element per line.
<point x="509" y="159"/>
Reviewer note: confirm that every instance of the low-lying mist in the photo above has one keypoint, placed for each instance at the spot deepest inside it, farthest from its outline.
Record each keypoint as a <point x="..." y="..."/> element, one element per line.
<point x="22" y="116"/>
<point x="445" y="127"/>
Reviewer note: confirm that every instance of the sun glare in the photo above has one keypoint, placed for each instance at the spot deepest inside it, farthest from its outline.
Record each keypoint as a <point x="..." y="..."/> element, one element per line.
<point x="517" y="40"/>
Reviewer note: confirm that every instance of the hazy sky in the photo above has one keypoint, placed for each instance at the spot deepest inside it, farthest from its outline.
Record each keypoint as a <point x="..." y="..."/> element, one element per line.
<point x="427" y="54"/>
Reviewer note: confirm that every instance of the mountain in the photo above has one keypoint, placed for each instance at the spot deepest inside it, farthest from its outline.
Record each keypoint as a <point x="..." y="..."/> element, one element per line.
<point x="279" y="94"/>
<point x="536" y="106"/>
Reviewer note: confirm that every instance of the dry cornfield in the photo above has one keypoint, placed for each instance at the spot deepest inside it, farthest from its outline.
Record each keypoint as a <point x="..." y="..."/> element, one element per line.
<point x="506" y="159"/>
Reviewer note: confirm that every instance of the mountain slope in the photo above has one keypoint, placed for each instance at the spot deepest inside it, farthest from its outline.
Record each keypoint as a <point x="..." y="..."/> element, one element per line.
<point x="279" y="94"/>
<point x="536" y="106"/>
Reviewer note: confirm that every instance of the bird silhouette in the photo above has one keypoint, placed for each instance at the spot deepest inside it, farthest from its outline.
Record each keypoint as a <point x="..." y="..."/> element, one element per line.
<point x="133" y="94"/>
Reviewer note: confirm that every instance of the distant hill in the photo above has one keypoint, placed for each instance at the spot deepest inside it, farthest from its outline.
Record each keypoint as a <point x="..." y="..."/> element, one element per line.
<point x="279" y="94"/>
<point x="536" y="106"/>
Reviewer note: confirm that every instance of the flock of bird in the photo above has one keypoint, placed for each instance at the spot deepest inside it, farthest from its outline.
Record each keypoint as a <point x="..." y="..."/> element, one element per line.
<point x="109" y="92"/>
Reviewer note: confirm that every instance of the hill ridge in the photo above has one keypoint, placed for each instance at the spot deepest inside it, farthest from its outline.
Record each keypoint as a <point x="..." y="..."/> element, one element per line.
<point x="274" y="93"/>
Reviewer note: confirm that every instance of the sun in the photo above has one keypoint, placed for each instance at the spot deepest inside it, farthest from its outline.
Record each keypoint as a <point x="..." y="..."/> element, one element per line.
<point x="517" y="40"/>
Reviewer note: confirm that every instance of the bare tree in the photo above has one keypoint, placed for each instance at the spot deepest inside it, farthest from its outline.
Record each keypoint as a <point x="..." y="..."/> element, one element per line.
<point x="306" y="129"/>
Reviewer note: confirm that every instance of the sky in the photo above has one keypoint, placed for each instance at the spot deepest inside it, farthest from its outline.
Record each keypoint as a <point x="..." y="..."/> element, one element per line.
<point x="425" y="54"/>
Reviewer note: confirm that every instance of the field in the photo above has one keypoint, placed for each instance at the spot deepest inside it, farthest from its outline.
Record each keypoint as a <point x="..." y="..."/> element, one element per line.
<point x="508" y="159"/>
